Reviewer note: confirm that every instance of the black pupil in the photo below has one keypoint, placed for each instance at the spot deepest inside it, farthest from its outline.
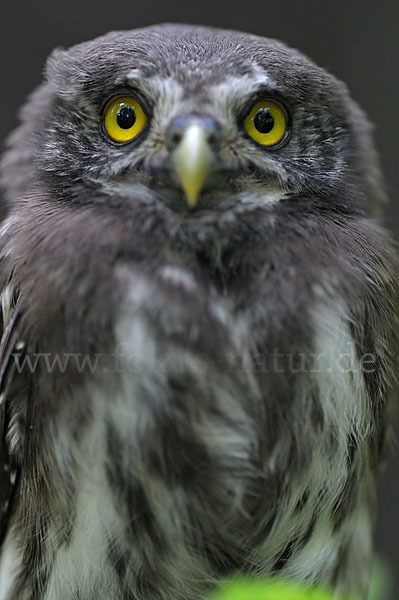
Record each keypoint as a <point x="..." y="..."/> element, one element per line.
<point x="263" y="121"/>
<point x="126" y="117"/>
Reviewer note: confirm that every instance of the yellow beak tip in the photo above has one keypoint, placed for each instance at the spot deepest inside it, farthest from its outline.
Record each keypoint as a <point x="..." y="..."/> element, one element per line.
<point x="191" y="200"/>
<point x="192" y="190"/>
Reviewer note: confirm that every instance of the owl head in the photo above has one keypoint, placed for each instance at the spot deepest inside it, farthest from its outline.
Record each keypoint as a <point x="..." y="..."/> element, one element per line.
<point x="194" y="120"/>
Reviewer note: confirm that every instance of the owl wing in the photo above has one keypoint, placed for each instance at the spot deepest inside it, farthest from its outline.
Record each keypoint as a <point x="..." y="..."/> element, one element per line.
<point x="10" y="347"/>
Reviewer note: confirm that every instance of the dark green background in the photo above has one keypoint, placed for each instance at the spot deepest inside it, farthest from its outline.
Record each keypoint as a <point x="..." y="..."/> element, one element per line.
<point x="357" y="41"/>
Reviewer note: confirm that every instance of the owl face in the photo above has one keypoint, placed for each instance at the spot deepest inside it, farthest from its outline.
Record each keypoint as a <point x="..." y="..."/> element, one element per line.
<point x="203" y="118"/>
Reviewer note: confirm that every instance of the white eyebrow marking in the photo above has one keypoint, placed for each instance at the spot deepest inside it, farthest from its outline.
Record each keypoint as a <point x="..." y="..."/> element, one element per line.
<point x="135" y="74"/>
<point x="245" y="84"/>
<point x="156" y="86"/>
<point x="231" y="93"/>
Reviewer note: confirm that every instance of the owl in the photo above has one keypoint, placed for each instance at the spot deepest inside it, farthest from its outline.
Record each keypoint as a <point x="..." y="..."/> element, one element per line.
<point x="199" y="322"/>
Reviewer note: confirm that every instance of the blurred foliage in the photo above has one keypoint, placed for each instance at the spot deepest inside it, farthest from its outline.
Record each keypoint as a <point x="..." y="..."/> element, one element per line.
<point x="277" y="589"/>
<point x="271" y="589"/>
<point x="381" y="587"/>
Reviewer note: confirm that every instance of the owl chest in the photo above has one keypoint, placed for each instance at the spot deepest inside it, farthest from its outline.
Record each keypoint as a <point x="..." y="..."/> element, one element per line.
<point x="198" y="400"/>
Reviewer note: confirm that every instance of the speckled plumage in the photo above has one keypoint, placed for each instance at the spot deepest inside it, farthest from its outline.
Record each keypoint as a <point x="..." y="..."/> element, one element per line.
<point x="188" y="394"/>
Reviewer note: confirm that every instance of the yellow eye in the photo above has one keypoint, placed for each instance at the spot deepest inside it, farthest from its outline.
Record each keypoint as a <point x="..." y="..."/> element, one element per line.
<point x="267" y="123"/>
<point x="124" y="119"/>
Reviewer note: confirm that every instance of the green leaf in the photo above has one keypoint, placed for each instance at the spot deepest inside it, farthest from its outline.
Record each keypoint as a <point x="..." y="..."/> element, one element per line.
<point x="270" y="589"/>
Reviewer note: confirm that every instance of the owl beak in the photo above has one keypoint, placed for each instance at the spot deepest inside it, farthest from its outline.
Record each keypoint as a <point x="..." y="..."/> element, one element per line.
<point x="192" y="160"/>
